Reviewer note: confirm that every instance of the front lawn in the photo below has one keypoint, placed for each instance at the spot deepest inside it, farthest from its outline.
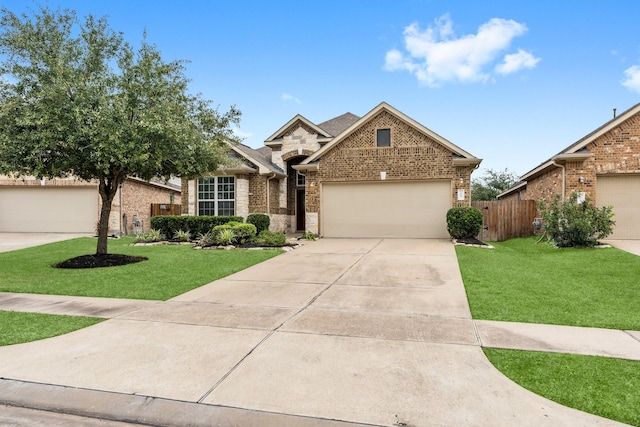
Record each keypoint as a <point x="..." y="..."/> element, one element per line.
<point x="170" y="271"/>
<point x="598" y="385"/>
<point x="524" y="281"/>
<point x="17" y="327"/>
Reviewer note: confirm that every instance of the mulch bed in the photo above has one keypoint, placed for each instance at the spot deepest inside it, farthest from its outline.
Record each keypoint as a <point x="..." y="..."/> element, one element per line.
<point x="471" y="241"/>
<point x="97" y="261"/>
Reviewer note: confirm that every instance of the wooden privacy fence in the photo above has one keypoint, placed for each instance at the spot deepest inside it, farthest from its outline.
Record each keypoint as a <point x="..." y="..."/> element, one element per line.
<point x="165" y="209"/>
<point x="506" y="219"/>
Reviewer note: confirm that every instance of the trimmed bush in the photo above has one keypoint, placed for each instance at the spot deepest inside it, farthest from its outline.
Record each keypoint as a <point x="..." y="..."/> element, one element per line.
<point x="242" y="232"/>
<point x="270" y="238"/>
<point x="570" y="223"/>
<point x="261" y="221"/>
<point x="464" y="222"/>
<point x="169" y="225"/>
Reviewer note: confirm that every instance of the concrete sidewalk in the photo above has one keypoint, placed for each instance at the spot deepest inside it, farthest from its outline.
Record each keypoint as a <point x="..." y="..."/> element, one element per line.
<point x="372" y="332"/>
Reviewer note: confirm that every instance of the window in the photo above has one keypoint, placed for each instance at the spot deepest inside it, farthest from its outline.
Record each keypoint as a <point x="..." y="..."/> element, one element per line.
<point x="383" y="138"/>
<point x="300" y="180"/>
<point x="216" y="195"/>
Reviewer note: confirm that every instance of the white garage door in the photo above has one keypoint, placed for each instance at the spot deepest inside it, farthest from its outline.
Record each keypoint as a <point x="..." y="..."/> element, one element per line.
<point x="623" y="193"/>
<point x="386" y="209"/>
<point x="48" y="209"/>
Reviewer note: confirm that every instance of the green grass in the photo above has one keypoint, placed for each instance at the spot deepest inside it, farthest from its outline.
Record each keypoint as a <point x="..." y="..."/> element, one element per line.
<point x="598" y="385"/>
<point x="524" y="281"/>
<point x="170" y="271"/>
<point x="17" y="327"/>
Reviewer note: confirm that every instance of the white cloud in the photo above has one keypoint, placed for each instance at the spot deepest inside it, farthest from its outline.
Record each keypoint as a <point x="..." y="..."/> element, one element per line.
<point x="288" y="97"/>
<point x="517" y="61"/>
<point x="632" y="80"/>
<point x="240" y="134"/>
<point x="436" y="55"/>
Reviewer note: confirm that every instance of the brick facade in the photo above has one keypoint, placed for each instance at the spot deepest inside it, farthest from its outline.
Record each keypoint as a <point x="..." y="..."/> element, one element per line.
<point x="137" y="197"/>
<point x="616" y="151"/>
<point x="136" y="200"/>
<point x="413" y="155"/>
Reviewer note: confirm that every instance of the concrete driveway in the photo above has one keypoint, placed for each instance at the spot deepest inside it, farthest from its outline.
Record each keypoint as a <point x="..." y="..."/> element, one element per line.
<point x="631" y="246"/>
<point x="13" y="241"/>
<point x="376" y="332"/>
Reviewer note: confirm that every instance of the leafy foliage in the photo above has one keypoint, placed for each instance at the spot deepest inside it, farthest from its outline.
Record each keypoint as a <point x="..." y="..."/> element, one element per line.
<point x="242" y="232"/>
<point x="270" y="238"/>
<point x="572" y="223"/>
<point x="261" y="221"/>
<point x="77" y="100"/>
<point x="206" y="239"/>
<point x="149" y="237"/>
<point x="492" y="183"/>
<point x="169" y="225"/>
<point x="226" y="236"/>
<point x="183" y="236"/>
<point x="464" y="222"/>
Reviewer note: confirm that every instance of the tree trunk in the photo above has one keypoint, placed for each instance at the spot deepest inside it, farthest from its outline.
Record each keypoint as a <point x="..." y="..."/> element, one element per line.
<point x="107" y="189"/>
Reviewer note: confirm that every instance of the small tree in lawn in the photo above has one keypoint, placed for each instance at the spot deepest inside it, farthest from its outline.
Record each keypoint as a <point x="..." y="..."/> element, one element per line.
<point x="77" y="100"/>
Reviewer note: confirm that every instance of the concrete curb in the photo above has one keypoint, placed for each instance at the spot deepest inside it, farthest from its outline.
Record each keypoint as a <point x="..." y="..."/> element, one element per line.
<point x="146" y="410"/>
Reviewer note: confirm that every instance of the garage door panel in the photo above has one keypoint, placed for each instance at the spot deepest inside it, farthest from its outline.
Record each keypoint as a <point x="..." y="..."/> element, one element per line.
<point x="48" y="210"/>
<point x="386" y="209"/>
<point x="623" y="193"/>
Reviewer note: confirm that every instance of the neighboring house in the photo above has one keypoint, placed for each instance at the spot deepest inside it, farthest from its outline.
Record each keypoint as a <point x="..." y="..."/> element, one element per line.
<point x="604" y="165"/>
<point x="69" y="205"/>
<point x="380" y="175"/>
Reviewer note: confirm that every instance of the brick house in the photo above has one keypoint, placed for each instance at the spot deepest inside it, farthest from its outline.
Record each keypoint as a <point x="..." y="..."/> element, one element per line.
<point x="380" y="175"/>
<point x="604" y="165"/>
<point x="69" y="205"/>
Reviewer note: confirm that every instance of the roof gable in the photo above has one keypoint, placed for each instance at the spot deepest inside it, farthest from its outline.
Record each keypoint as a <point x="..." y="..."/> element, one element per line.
<point x="461" y="156"/>
<point x="260" y="158"/>
<point x="291" y="125"/>
<point x="577" y="150"/>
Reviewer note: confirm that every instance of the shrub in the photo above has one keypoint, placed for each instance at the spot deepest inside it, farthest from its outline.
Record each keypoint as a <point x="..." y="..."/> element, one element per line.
<point x="308" y="236"/>
<point x="226" y="236"/>
<point x="206" y="239"/>
<point x="242" y="232"/>
<point x="464" y="222"/>
<point x="270" y="238"/>
<point x="572" y="223"/>
<point x="183" y="236"/>
<point x="149" y="237"/>
<point x="261" y="221"/>
<point x="196" y="225"/>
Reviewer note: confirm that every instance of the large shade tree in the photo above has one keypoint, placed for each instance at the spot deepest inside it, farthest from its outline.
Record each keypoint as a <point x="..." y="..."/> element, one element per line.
<point x="77" y="100"/>
<point x="492" y="183"/>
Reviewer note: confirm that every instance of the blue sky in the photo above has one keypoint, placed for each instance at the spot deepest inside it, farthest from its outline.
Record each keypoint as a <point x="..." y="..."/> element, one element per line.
<point x="512" y="82"/>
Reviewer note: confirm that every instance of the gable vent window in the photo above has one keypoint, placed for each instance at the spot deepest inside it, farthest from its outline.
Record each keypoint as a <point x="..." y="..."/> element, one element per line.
<point x="383" y="138"/>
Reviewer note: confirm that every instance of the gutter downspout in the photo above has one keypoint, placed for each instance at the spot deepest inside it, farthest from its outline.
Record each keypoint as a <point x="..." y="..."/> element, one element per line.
<point x="564" y="177"/>
<point x="269" y="178"/>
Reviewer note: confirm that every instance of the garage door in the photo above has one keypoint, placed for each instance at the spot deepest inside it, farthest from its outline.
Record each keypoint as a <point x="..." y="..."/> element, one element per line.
<point x="386" y="209"/>
<point x="623" y="193"/>
<point x="48" y="210"/>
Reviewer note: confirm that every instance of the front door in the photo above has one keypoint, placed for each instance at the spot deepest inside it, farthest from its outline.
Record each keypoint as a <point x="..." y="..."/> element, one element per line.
<point x="300" y="212"/>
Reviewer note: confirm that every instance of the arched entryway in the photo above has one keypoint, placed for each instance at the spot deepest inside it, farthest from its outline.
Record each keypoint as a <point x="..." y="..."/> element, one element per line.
<point x="296" y="194"/>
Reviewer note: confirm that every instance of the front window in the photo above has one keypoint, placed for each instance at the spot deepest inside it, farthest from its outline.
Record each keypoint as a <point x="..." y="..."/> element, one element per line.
<point x="300" y="179"/>
<point x="216" y="195"/>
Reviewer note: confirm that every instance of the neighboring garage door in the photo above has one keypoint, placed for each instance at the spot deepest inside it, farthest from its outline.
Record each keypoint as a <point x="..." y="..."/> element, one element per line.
<point x="48" y="209"/>
<point x="386" y="209"/>
<point x="623" y="193"/>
